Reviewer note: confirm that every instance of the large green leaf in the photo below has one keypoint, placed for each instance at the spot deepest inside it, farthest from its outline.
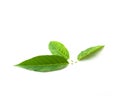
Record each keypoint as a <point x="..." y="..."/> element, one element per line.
<point x="44" y="63"/>
<point x="58" y="48"/>
<point x="89" y="52"/>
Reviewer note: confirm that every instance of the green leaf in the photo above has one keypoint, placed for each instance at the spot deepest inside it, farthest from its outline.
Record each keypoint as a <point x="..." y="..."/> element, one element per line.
<point x="59" y="49"/>
<point x="44" y="63"/>
<point x="89" y="52"/>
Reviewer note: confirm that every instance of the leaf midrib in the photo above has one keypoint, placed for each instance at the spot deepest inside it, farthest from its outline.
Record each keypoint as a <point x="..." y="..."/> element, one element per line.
<point x="45" y="64"/>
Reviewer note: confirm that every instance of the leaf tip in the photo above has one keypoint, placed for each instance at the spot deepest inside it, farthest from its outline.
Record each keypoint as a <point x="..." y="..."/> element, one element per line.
<point x="17" y="65"/>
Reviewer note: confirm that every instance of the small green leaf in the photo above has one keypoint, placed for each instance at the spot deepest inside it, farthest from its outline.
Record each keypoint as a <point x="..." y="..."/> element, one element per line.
<point x="44" y="63"/>
<point x="89" y="52"/>
<point x="59" y="49"/>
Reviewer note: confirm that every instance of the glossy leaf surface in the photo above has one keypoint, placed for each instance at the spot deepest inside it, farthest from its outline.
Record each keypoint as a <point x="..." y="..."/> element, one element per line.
<point x="59" y="49"/>
<point x="44" y="63"/>
<point x="89" y="52"/>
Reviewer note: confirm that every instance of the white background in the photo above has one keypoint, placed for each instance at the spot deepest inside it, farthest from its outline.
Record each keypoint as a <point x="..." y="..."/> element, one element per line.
<point x="27" y="26"/>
